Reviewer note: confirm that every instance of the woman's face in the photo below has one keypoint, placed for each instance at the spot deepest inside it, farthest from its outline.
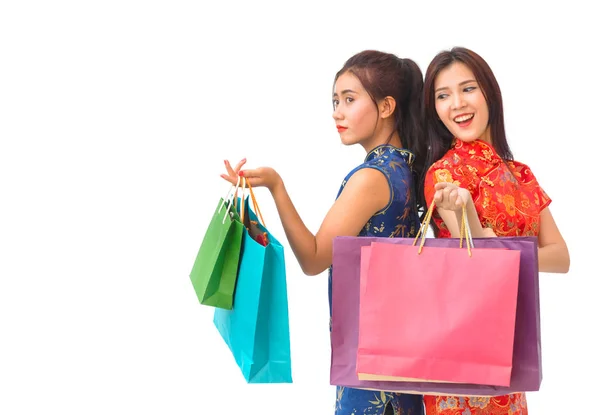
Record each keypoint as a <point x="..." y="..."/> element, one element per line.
<point x="355" y="113"/>
<point x="460" y="103"/>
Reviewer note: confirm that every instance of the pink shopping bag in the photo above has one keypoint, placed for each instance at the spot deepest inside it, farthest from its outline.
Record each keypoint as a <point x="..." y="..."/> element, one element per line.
<point x="439" y="316"/>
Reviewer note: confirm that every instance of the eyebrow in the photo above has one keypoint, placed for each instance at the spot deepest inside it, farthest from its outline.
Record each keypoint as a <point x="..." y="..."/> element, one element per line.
<point x="461" y="84"/>
<point x="345" y="91"/>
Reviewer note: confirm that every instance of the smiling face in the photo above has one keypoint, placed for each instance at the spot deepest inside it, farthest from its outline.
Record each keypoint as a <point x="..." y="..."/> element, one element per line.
<point x="355" y="113"/>
<point x="461" y="105"/>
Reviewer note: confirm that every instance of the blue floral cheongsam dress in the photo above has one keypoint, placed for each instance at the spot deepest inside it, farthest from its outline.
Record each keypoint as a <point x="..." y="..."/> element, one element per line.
<point x="398" y="219"/>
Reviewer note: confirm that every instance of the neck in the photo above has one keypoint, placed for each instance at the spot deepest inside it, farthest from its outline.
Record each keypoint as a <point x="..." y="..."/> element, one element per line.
<point x="487" y="136"/>
<point x="382" y="139"/>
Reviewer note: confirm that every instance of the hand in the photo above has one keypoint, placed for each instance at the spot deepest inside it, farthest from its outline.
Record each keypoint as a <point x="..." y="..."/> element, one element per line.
<point x="449" y="196"/>
<point x="232" y="173"/>
<point x="260" y="177"/>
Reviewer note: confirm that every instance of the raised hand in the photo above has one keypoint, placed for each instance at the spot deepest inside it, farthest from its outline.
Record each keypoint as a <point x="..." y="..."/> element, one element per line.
<point x="449" y="196"/>
<point x="259" y="177"/>
<point x="232" y="173"/>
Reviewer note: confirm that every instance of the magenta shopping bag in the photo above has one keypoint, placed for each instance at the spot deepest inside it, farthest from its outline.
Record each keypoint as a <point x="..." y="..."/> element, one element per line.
<point x="526" y="366"/>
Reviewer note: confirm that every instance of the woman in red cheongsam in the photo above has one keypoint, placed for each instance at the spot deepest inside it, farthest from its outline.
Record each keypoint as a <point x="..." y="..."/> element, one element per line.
<point x="470" y="162"/>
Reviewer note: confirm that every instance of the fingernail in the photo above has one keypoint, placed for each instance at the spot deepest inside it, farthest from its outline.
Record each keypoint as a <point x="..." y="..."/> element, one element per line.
<point x="241" y="173"/>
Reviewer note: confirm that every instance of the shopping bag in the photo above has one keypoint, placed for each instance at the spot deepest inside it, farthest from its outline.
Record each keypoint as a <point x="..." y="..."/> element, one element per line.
<point x="453" y="314"/>
<point x="256" y="330"/>
<point x="526" y="363"/>
<point x="215" y="268"/>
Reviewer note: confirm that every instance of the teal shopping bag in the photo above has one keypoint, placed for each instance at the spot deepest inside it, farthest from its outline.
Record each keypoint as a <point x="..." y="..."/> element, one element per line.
<point x="256" y="330"/>
<point x="215" y="268"/>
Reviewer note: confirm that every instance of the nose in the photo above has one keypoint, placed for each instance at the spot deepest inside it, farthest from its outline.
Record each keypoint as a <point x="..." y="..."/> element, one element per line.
<point x="337" y="114"/>
<point x="457" y="101"/>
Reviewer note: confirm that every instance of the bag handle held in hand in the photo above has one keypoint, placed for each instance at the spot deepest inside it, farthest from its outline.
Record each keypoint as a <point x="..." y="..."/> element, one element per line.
<point x="231" y="194"/>
<point x="255" y="203"/>
<point x="242" y="200"/>
<point x="465" y="230"/>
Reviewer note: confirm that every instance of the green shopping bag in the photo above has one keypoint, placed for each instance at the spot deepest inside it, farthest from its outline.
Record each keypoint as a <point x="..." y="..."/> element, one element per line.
<point x="215" y="269"/>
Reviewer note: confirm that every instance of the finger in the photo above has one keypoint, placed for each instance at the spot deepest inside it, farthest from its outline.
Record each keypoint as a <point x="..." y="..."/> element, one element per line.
<point x="464" y="198"/>
<point x="256" y="182"/>
<point x="452" y="197"/>
<point x="440" y="197"/>
<point x="249" y="173"/>
<point x="229" y="169"/>
<point x="447" y="191"/>
<point x="239" y="165"/>
<point x="437" y="197"/>
<point x="230" y="179"/>
<point x="441" y="185"/>
<point x="254" y="177"/>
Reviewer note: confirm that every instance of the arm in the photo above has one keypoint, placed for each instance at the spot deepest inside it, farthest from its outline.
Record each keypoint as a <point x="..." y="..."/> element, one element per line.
<point x="553" y="254"/>
<point x="366" y="193"/>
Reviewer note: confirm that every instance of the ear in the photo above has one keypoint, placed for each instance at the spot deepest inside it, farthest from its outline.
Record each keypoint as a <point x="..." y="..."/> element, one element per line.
<point x="387" y="106"/>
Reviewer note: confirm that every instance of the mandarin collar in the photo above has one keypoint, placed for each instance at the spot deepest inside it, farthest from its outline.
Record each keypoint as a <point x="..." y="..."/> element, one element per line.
<point x="384" y="149"/>
<point x="477" y="148"/>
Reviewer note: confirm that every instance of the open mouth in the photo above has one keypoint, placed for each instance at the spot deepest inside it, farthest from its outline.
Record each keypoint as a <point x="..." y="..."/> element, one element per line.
<point x="464" y="120"/>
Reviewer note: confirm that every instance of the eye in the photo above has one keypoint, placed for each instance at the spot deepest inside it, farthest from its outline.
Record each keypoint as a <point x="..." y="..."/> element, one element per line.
<point x="470" y="88"/>
<point x="335" y="102"/>
<point x="442" y="96"/>
<point x="349" y="100"/>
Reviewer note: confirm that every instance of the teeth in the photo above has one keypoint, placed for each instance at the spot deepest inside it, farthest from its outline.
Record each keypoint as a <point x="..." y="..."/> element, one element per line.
<point x="464" y="118"/>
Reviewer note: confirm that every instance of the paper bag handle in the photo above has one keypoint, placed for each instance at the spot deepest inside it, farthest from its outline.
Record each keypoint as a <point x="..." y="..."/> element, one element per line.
<point x="465" y="230"/>
<point x="243" y="205"/>
<point x="255" y="203"/>
<point x="232" y="194"/>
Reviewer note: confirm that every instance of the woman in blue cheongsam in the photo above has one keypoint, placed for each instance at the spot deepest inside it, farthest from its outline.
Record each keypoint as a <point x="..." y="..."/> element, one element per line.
<point x="376" y="101"/>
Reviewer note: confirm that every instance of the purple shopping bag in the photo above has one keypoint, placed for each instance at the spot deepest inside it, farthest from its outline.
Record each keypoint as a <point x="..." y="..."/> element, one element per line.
<point x="527" y="360"/>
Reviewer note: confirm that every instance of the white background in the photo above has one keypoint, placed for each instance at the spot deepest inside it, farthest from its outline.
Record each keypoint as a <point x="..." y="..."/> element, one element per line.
<point x="115" y="119"/>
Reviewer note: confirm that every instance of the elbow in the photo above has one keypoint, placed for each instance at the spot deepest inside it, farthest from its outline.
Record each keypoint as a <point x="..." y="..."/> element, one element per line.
<point x="566" y="263"/>
<point x="311" y="272"/>
<point x="312" y="269"/>
<point x="554" y="259"/>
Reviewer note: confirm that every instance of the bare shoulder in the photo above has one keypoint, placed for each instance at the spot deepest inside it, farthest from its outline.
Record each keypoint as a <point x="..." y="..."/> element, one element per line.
<point x="368" y="177"/>
<point x="367" y="187"/>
